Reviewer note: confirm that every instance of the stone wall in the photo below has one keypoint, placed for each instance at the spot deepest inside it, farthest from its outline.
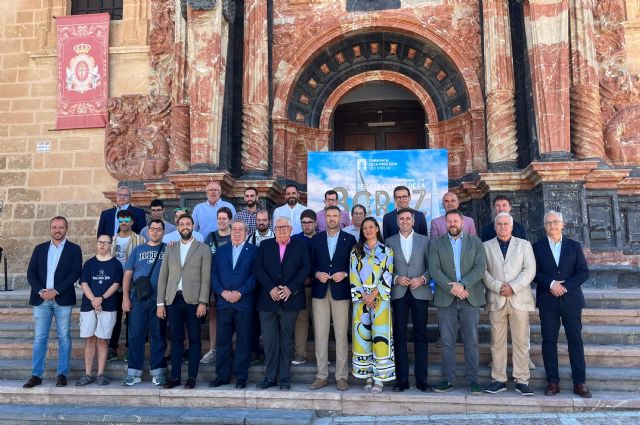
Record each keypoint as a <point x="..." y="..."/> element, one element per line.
<point x="69" y="178"/>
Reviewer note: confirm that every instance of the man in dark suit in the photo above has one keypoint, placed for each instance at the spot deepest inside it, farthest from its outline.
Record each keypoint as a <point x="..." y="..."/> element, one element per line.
<point x="53" y="269"/>
<point x="402" y="198"/>
<point x="410" y="292"/>
<point x="457" y="263"/>
<point x="502" y="204"/>
<point x="233" y="283"/>
<point x="281" y="266"/>
<point x="331" y="298"/>
<point x="108" y="224"/>
<point x="561" y="270"/>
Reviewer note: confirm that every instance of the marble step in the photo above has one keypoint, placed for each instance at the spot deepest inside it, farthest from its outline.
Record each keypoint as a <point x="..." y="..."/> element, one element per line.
<point x="326" y="401"/>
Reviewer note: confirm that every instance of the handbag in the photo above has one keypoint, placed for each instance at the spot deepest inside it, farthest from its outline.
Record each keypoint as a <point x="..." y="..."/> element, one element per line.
<point x="142" y="285"/>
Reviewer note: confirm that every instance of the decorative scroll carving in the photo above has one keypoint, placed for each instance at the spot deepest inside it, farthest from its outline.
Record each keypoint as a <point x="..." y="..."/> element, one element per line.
<point x="137" y="137"/>
<point x="255" y="137"/>
<point x="501" y="129"/>
<point x="622" y="135"/>
<point x="201" y="4"/>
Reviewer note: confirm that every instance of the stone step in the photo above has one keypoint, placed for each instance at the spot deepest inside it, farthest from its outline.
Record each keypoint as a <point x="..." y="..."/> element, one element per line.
<point x="355" y="401"/>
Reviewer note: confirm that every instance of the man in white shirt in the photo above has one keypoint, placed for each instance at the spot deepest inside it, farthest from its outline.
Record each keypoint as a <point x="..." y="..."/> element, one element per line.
<point x="175" y="235"/>
<point x="292" y="209"/>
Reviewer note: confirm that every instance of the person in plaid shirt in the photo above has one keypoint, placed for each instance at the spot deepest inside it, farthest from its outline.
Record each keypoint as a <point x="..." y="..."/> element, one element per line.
<point x="248" y="215"/>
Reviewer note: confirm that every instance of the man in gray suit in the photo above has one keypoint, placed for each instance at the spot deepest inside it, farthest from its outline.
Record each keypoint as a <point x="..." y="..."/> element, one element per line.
<point x="457" y="263"/>
<point x="183" y="287"/>
<point x="410" y="291"/>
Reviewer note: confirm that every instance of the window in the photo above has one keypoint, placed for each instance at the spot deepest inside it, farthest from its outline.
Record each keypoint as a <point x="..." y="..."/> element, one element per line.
<point x="85" y="7"/>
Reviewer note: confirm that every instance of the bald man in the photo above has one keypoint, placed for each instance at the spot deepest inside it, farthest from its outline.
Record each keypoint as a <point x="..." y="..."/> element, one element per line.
<point x="450" y="202"/>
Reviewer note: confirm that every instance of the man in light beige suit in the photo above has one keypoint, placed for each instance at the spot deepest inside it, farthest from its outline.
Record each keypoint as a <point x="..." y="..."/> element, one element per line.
<point x="511" y="267"/>
<point x="183" y="287"/>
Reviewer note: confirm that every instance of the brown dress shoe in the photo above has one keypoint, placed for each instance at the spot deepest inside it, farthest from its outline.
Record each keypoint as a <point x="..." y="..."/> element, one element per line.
<point x="552" y="389"/>
<point x="33" y="382"/>
<point x="582" y="391"/>
<point x="342" y="385"/>
<point x="318" y="383"/>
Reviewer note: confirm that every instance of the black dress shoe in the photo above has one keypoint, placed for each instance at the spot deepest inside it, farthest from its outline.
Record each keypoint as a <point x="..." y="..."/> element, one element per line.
<point x="582" y="391"/>
<point x="171" y="383"/>
<point x="241" y="384"/>
<point x="424" y="387"/>
<point x="266" y="383"/>
<point x="285" y="386"/>
<point x="34" y="381"/>
<point x="62" y="381"/>
<point x="399" y="387"/>
<point x="217" y="383"/>
<point x="190" y="384"/>
<point x="552" y="389"/>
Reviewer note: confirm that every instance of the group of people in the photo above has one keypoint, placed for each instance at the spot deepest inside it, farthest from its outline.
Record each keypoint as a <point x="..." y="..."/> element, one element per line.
<point x="252" y="276"/>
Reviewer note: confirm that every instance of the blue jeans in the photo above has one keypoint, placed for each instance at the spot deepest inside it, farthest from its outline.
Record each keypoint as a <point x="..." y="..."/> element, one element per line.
<point x="42" y="315"/>
<point x="142" y="317"/>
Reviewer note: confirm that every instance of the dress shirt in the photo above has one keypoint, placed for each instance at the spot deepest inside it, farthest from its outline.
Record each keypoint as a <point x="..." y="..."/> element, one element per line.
<point x="555" y="250"/>
<point x="351" y="229"/>
<point x="406" y="244"/>
<point x="249" y="219"/>
<point x="321" y="220"/>
<point x="205" y="216"/>
<point x="293" y="213"/>
<point x="283" y="247"/>
<point x="332" y="242"/>
<point x="504" y="246"/>
<point x="53" y="257"/>
<point x="456" y="245"/>
<point x="235" y="251"/>
<point x="184" y="249"/>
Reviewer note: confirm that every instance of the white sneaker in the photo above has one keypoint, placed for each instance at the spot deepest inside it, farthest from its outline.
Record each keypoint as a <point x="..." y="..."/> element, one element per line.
<point x="131" y="380"/>
<point x="209" y="357"/>
<point x="159" y="380"/>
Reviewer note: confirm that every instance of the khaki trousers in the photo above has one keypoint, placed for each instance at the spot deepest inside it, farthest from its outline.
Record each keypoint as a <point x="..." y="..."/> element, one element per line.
<point x="324" y="311"/>
<point x="508" y="318"/>
<point x="302" y="326"/>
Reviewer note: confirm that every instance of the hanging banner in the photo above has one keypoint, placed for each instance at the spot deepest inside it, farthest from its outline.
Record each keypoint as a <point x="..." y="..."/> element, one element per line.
<point x="369" y="177"/>
<point x="83" y="71"/>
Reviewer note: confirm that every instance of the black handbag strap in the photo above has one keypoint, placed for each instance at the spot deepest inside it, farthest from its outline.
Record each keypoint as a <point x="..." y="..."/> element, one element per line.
<point x="155" y="260"/>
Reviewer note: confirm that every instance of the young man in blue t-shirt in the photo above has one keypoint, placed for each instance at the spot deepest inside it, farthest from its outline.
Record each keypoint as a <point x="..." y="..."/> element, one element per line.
<point x="100" y="279"/>
<point x="142" y="313"/>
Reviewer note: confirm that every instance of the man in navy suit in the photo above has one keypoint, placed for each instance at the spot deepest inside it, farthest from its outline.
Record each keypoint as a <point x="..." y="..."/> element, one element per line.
<point x="53" y="269"/>
<point x="402" y="198"/>
<point x="331" y="297"/>
<point x="108" y="224"/>
<point x="281" y="266"/>
<point x="561" y="271"/>
<point x="233" y="283"/>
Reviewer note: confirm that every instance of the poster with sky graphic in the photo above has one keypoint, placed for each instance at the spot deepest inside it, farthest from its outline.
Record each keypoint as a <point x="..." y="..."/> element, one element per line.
<point x="368" y="178"/>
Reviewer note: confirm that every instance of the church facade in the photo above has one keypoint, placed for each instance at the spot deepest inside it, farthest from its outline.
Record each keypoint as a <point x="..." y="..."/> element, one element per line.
<point x="537" y="100"/>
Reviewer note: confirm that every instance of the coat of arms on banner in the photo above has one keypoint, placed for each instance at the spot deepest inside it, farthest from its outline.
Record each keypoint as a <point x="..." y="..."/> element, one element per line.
<point x="82" y="73"/>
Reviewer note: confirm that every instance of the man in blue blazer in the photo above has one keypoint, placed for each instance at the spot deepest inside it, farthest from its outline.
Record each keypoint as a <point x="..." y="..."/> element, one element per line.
<point x="331" y="297"/>
<point x="233" y="283"/>
<point x="402" y="198"/>
<point x="281" y="266"/>
<point x="561" y="271"/>
<point x="108" y="224"/>
<point x="53" y="269"/>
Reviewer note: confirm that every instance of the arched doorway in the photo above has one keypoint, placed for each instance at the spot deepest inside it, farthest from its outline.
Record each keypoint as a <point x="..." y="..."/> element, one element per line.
<point x="378" y="116"/>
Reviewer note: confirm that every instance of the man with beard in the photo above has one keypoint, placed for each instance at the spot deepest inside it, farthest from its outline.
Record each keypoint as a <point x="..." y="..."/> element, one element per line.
<point x="262" y="231"/>
<point x="457" y="263"/>
<point x="331" y="200"/>
<point x="205" y="214"/>
<point x="183" y="287"/>
<point x="402" y="198"/>
<point x="291" y="209"/>
<point x="248" y="215"/>
<point x="174" y="236"/>
<point x="439" y="227"/>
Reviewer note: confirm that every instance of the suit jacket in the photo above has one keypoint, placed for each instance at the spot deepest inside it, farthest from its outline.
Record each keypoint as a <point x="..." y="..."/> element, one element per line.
<point x="196" y="274"/>
<point x="320" y="262"/>
<point x="417" y="265"/>
<point x="390" y="223"/>
<point x="225" y="277"/>
<point x="108" y="219"/>
<point x="517" y="269"/>
<point x="472" y="265"/>
<point x="573" y="270"/>
<point x="291" y="272"/>
<point x="439" y="227"/>
<point x="66" y="275"/>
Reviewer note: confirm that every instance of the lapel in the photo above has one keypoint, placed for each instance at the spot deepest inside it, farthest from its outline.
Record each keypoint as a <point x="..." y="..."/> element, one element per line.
<point x="449" y="250"/>
<point x="324" y="245"/>
<point x="187" y="257"/>
<point x="562" y="251"/>
<point x="229" y="255"/>
<point x="510" y="250"/>
<point x="547" y="251"/>
<point x="243" y="252"/>
<point x="414" y="247"/>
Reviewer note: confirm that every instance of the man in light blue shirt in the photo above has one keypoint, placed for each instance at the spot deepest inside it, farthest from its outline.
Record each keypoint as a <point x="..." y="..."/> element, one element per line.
<point x="205" y="214"/>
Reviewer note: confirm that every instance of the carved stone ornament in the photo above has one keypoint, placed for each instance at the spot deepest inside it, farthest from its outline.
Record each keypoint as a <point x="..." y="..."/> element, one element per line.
<point x="138" y="136"/>
<point x="201" y="4"/>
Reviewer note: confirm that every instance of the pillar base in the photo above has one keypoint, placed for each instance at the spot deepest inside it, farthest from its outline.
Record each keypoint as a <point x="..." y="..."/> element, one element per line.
<point x="556" y="156"/>
<point x="503" y="166"/>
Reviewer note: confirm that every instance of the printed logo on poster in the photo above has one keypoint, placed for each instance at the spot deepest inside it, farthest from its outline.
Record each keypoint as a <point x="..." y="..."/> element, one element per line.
<point x="83" y="73"/>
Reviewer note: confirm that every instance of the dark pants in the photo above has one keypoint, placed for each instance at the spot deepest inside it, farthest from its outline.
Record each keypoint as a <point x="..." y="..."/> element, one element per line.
<point x="419" y="312"/>
<point x="232" y="321"/>
<point x="117" y="329"/>
<point x="550" y="327"/>
<point x="277" y="334"/>
<point x="143" y="319"/>
<point x="180" y="314"/>
<point x="255" y="334"/>
<point x="460" y="314"/>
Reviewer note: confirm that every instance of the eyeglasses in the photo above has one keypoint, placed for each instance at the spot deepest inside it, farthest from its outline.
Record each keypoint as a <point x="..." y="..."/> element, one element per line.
<point x="104" y="242"/>
<point x="282" y="227"/>
<point x="307" y="222"/>
<point x="402" y="197"/>
<point x="156" y="229"/>
<point x="156" y="210"/>
<point x="124" y="219"/>
<point x="552" y="223"/>
<point x="123" y="195"/>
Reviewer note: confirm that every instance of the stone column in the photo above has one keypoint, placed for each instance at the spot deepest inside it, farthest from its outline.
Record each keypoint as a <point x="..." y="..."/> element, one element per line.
<point x="499" y="84"/>
<point x="586" y="118"/>
<point x="255" y="89"/>
<point x="547" y="25"/>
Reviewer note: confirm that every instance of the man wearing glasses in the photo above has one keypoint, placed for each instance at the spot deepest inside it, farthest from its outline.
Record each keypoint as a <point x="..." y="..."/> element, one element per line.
<point x="331" y="200"/>
<point x="157" y="213"/>
<point x="561" y="269"/>
<point x="205" y="214"/>
<point x="402" y="198"/>
<point x="108" y="224"/>
<point x="358" y="213"/>
<point x="281" y="266"/>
